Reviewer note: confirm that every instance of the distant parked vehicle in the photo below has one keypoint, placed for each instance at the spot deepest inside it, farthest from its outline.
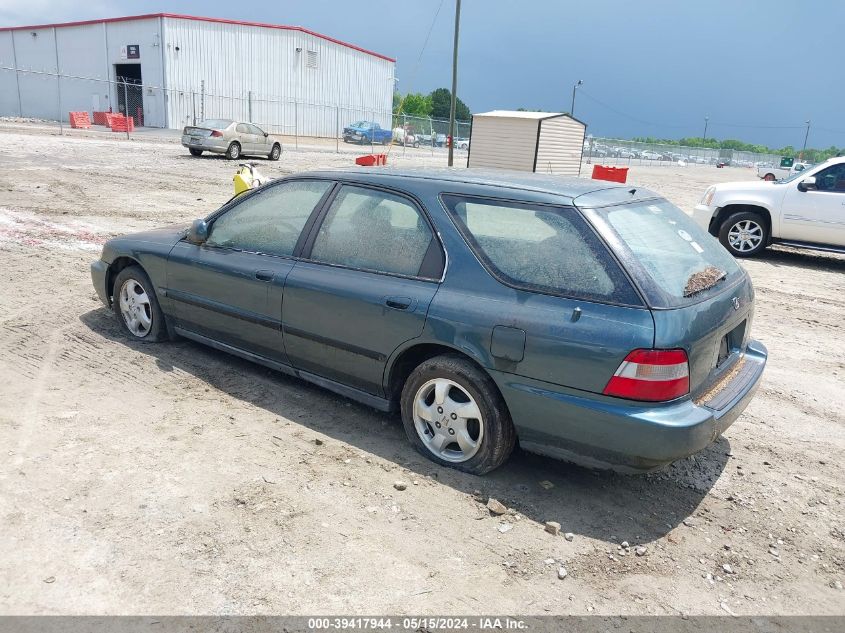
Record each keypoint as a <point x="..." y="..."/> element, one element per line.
<point x="362" y="132"/>
<point x="462" y="143"/>
<point x="232" y="138"/>
<point x="804" y="210"/>
<point x="770" y="172"/>
<point x="405" y="137"/>
<point x="622" y="152"/>
<point x="649" y="155"/>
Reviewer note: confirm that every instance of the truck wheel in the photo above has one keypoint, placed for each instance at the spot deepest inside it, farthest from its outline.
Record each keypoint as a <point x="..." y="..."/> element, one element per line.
<point x="769" y="177"/>
<point x="744" y="234"/>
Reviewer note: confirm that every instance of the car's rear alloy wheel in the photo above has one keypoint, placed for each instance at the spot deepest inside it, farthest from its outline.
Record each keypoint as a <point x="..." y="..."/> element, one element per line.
<point x="448" y="420"/>
<point x="744" y="234"/>
<point x="136" y="305"/>
<point x="454" y="414"/>
<point x="234" y="151"/>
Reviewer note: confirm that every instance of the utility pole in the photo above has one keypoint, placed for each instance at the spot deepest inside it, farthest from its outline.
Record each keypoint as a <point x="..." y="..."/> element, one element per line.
<point x="572" y="107"/>
<point x="454" y="83"/>
<point x="806" y="136"/>
<point x="706" y="120"/>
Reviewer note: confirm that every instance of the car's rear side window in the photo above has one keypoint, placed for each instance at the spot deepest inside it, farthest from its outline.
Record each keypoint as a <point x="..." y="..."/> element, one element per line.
<point x="541" y="248"/>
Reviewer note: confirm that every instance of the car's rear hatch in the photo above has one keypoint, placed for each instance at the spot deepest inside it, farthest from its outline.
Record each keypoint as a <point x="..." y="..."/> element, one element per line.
<point x="701" y="300"/>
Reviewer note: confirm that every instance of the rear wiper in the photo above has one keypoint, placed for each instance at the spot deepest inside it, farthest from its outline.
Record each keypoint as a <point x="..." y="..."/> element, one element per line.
<point x="703" y="280"/>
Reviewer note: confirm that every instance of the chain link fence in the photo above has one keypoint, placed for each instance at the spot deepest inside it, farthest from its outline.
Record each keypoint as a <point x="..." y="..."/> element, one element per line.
<point x="49" y="96"/>
<point x="623" y="153"/>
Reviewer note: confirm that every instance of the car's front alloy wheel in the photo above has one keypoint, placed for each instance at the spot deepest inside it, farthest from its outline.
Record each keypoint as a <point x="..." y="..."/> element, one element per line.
<point x="136" y="305"/>
<point x="744" y="234"/>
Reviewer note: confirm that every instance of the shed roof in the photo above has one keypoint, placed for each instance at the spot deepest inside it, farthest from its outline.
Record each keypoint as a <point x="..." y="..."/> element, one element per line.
<point x="199" y="19"/>
<point x="530" y="116"/>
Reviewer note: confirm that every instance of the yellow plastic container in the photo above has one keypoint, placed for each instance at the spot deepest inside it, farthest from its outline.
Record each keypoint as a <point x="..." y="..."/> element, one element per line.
<point x="242" y="180"/>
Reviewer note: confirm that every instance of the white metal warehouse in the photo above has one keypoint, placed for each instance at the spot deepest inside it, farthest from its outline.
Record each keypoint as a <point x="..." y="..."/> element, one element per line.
<point x="172" y="70"/>
<point x="546" y="142"/>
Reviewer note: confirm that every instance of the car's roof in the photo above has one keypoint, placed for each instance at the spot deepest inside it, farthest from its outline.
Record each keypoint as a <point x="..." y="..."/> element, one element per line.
<point x="565" y="186"/>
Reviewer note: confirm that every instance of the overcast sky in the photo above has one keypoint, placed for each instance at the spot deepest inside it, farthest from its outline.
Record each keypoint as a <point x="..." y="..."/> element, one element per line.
<point x="758" y="68"/>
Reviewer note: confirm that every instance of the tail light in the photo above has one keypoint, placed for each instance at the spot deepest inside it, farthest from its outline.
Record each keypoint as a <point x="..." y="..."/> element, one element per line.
<point x="216" y="133"/>
<point x="653" y="375"/>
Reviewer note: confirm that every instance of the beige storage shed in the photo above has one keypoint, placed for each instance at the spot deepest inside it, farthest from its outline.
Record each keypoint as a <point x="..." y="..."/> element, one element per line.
<point x="545" y="142"/>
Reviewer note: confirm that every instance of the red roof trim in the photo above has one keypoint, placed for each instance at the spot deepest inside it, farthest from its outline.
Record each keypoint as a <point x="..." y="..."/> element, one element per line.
<point x="201" y="19"/>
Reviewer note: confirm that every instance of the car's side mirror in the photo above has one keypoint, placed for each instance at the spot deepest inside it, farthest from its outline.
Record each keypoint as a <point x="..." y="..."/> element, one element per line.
<point x="807" y="184"/>
<point x="198" y="232"/>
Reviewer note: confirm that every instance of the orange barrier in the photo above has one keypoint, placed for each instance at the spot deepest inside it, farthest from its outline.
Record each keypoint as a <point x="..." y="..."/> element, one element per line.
<point x="120" y="123"/>
<point x="100" y="118"/>
<point x="371" y="159"/>
<point x="613" y="174"/>
<point x="79" y="120"/>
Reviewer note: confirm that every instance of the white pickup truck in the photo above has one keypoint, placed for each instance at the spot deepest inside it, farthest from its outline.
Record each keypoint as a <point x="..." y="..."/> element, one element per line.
<point x="805" y="210"/>
<point x="770" y="172"/>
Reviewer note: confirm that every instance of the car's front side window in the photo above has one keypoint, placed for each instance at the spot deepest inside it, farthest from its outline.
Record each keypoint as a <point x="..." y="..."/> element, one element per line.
<point x="541" y="248"/>
<point x="373" y="230"/>
<point x="831" y="179"/>
<point x="269" y="221"/>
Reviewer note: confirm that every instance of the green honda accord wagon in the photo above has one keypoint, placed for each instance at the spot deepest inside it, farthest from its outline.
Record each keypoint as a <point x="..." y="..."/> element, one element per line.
<point x="584" y="320"/>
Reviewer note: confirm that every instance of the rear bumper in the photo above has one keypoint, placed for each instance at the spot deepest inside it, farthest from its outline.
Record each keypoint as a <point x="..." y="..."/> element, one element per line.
<point x="206" y="144"/>
<point x="99" y="271"/>
<point x="602" y="432"/>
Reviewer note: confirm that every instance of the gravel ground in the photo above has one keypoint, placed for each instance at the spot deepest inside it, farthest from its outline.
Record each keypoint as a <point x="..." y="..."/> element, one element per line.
<point x="173" y="479"/>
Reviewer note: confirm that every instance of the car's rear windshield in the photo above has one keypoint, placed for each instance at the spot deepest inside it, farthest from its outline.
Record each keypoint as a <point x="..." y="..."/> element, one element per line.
<point x="216" y="124"/>
<point x="680" y="262"/>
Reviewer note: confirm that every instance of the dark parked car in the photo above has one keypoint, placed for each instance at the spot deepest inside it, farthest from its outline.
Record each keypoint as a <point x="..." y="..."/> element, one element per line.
<point x="594" y="322"/>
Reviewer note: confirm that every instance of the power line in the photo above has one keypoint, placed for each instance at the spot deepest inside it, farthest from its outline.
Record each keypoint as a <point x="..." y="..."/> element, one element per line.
<point x="629" y="116"/>
<point x="688" y="126"/>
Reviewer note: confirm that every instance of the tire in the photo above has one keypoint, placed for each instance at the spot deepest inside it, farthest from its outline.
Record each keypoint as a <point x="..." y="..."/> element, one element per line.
<point x="385" y="141"/>
<point x="276" y="152"/>
<point x="139" y="315"/>
<point x="744" y="224"/>
<point x="489" y="439"/>
<point x="234" y="151"/>
<point x="195" y="152"/>
<point x="416" y="144"/>
<point x="769" y="177"/>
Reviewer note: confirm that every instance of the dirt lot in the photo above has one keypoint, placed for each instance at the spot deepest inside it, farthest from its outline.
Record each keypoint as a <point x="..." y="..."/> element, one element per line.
<point x="171" y="478"/>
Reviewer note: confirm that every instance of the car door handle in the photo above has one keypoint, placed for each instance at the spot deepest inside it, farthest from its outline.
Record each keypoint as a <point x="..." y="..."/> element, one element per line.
<point x="398" y="303"/>
<point x="264" y="275"/>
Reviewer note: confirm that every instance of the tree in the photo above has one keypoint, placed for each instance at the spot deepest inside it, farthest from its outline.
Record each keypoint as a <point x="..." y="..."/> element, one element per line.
<point x="415" y="104"/>
<point x="441" y="101"/>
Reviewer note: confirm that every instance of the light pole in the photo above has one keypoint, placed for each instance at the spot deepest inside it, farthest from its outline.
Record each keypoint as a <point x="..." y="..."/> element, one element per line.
<point x="454" y="83"/>
<point x="806" y="135"/>
<point x="574" y="88"/>
<point x="706" y="120"/>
